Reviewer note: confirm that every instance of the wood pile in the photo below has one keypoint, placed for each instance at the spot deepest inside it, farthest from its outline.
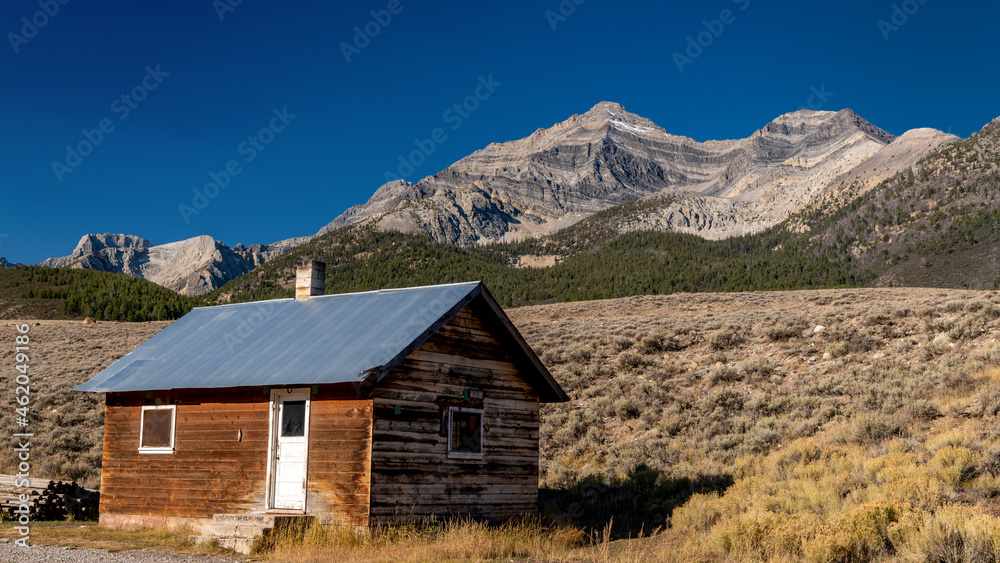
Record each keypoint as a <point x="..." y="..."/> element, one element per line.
<point x="49" y="500"/>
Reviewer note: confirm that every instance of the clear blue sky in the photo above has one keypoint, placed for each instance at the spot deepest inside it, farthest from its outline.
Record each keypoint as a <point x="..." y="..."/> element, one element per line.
<point x="353" y="120"/>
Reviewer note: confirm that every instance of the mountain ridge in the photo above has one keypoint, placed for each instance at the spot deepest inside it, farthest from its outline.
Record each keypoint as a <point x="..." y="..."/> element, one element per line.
<point x="607" y="156"/>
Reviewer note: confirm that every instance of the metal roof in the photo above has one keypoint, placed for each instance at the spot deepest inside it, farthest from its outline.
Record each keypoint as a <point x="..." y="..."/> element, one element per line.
<point x="325" y="339"/>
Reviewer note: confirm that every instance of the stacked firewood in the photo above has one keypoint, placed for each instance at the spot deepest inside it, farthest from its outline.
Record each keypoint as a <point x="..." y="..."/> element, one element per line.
<point x="48" y="500"/>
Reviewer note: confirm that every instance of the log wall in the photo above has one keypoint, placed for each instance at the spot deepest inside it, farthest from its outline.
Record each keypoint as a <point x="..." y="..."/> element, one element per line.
<point x="412" y="475"/>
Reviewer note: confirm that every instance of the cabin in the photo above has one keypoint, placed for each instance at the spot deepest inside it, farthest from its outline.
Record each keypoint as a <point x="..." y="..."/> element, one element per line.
<point x="351" y="409"/>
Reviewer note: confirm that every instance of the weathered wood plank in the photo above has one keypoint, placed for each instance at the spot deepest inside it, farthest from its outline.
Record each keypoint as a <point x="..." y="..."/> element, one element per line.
<point x="410" y="467"/>
<point x="212" y="470"/>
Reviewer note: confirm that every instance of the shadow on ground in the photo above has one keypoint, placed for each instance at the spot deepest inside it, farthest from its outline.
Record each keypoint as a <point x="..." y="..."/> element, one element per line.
<point x="638" y="503"/>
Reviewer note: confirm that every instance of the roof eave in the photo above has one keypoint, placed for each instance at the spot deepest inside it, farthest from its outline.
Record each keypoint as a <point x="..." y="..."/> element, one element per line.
<point x="556" y="394"/>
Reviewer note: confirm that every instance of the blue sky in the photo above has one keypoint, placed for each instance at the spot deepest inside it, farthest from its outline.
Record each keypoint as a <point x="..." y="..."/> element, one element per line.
<point x="158" y="99"/>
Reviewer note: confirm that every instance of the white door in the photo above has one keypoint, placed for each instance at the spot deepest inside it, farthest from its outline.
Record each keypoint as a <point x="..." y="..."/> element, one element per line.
<point x="289" y="447"/>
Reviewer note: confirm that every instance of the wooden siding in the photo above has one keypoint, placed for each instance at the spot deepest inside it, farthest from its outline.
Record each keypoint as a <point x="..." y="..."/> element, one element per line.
<point x="339" y="458"/>
<point x="412" y="475"/>
<point x="213" y="471"/>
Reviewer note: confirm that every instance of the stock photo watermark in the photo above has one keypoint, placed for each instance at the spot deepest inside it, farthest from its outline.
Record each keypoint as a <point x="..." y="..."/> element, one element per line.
<point x="900" y="16"/>
<point x="248" y="326"/>
<point x="30" y="26"/>
<point x="122" y="108"/>
<point x="696" y="44"/>
<point x="249" y="149"/>
<point x="818" y="98"/>
<point x="454" y="116"/>
<point x="365" y="34"/>
<point x="563" y="11"/>
<point x="223" y="7"/>
<point x="22" y="439"/>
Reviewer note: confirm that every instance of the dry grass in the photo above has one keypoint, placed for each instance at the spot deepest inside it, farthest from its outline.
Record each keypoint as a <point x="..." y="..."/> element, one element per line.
<point x="463" y="540"/>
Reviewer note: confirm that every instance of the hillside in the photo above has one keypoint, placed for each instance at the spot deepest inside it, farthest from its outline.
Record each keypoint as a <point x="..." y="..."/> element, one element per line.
<point x="935" y="224"/>
<point x="731" y="417"/>
<point x="592" y="264"/>
<point x="39" y="292"/>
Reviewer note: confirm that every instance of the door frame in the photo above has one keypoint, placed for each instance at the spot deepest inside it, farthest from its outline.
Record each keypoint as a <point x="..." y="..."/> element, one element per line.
<point x="272" y="443"/>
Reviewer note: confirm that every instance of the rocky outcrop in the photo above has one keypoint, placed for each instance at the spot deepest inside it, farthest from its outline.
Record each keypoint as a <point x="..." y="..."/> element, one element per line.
<point x="607" y="157"/>
<point x="5" y="264"/>
<point x="191" y="267"/>
<point x="106" y="252"/>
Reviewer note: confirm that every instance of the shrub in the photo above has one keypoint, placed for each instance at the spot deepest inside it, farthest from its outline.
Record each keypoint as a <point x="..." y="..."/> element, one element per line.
<point x="652" y="344"/>
<point x="862" y="534"/>
<point x="632" y="360"/>
<point x="781" y="332"/>
<point x="579" y="353"/>
<point x="700" y="513"/>
<point x="977" y="305"/>
<point x="964" y="330"/>
<point x="988" y="399"/>
<point x="953" y="306"/>
<point x="954" y="533"/>
<point x="923" y="410"/>
<point x="953" y="464"/>
<point x="990" y="311"/>
<point x="620" y="343"/>
<point x="757" y="370"/>
<point x="871" y="429"/>
<point x="838" y="349"/>
<point x="723" y="374"/>
<point x="874" y="319"/>
<point x="724" y="339"/>
<point x="989" y="463"/>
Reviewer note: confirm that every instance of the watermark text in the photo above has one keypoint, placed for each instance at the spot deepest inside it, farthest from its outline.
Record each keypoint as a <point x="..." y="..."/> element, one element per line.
<point x="22" y="400"/>
<point x="249" y="149"/>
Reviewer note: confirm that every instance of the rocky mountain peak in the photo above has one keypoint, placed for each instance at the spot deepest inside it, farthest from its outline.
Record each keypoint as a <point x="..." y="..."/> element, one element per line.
<point x="991" y="124"/>
<point x="607" y="110"/>
<point x="91" y="243"/>
<point x="192" y="267"/>
<point x="825" y="123"/>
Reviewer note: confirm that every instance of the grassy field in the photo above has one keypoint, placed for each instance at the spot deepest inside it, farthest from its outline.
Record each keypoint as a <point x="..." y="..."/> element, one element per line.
<point x="831" y="425"/>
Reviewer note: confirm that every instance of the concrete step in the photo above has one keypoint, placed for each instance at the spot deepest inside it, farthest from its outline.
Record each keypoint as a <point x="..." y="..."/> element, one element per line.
<point x="239" y="545"/>
<point x="234" y="530"/>
<point x="265" y="520"/>
<point x="240" y="532"/>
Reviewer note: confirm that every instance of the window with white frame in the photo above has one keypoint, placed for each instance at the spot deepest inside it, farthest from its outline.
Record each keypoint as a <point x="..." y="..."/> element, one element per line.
<point x="465" y="433"/>
<point x="156" y="430"/>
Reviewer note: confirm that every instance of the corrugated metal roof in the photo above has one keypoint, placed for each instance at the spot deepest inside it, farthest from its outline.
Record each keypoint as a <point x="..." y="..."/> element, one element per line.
<point x="324" y="339"/>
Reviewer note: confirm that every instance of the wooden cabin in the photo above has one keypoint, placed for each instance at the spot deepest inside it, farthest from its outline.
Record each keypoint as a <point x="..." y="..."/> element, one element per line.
<point x="356" y="408"/>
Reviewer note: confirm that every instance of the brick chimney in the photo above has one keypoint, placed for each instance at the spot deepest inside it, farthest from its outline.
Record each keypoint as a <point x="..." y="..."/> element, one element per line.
<point x="310" y="279"/>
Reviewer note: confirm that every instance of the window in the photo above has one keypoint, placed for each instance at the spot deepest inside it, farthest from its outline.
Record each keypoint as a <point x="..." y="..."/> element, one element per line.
<point x="156" y="432"/>
<point x="293" y="419"/>
<point x="465" y="433"/>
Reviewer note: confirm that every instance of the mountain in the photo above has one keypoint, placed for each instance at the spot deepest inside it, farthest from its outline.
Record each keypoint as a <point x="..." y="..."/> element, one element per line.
<point x="538" y="194"/>
<point x="608" y="156"/>
<point x="190" y="267"/>
<point x="936" y="223"/>
<point x="5" y="264"/>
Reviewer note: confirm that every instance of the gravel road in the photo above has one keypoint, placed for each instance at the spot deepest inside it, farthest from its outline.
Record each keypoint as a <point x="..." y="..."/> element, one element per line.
<point x="10" y="553"/>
